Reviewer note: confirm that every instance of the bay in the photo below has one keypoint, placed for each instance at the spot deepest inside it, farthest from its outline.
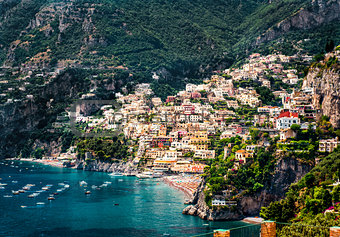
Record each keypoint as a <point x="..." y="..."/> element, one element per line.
<point x="123" y="206"/>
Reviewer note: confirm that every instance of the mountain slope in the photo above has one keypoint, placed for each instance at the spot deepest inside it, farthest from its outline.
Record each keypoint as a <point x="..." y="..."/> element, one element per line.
<point x="184" y="38"/>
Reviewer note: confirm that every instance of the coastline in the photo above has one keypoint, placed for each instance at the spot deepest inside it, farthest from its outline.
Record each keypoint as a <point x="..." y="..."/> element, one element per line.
<point x="253" y="220"/>
<point x="50" y="162"/>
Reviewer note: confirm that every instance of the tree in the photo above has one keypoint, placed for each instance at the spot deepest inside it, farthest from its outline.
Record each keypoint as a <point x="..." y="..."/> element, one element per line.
<point x="329" y="46"/>
<point x="309" y="180"/>
<point x="295" y="127"/>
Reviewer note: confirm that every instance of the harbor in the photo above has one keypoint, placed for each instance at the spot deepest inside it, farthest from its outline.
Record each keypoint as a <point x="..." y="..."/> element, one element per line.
<point x="144" y="207"/>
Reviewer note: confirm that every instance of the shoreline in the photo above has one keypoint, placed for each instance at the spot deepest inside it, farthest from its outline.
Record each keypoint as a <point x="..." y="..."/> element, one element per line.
<point x="187" y="184"/>
<point x="253" y="220"/>
<point x="50" y="162"/>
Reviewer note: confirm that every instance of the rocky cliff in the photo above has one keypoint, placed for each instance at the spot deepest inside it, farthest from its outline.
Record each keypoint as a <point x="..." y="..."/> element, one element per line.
<point x="288" y="170"/>
<point x="20" y="118"/>
<point x="318" y="13"/>
<point x="324" y="79"/>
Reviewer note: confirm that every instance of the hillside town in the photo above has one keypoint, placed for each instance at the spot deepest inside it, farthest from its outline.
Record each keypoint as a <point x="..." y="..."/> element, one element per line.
<point x="177" y="135"/>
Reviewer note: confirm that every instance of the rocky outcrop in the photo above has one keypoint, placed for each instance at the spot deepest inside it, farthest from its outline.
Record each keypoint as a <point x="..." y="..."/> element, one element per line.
<point x="325" y="82"/>
<point x="20" y="118"/>
<point x="288" y="170"/>
<point x="316" y="14"/>
<point x="102" y="166"/>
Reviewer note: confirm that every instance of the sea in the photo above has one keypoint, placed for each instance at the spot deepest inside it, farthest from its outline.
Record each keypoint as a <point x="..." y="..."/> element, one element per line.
<point x="117" y="206"/>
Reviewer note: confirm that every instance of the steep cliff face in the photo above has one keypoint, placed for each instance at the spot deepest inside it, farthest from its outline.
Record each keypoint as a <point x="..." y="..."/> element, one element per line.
<point x="20" y="118"/>
<point x="324" y="78"/>
<point x="316" y="14"/>
<point x="287" y="171"/>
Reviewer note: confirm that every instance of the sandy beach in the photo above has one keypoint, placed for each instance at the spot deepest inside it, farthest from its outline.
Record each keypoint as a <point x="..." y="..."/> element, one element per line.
<point x="188" y="183"/>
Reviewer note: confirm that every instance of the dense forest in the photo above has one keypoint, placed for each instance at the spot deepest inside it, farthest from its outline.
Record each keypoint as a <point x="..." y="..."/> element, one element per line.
<point x="181" y="41"/>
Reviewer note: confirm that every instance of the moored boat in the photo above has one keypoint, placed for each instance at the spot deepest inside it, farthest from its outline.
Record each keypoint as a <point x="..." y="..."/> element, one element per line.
<point x="116" y="174"/>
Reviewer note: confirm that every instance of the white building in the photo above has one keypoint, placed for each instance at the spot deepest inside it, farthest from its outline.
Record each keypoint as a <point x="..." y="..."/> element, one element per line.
<point x="286" y="120"/>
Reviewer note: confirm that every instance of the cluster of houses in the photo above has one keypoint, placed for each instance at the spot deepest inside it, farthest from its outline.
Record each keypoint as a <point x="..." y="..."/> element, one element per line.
<point x="175" y="135"/>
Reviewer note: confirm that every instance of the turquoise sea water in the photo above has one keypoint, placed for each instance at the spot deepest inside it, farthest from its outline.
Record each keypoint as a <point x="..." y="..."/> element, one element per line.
<point x="146" y="207"/>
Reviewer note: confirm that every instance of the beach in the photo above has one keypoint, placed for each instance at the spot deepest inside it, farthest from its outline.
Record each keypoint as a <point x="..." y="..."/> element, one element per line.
<point x="186" y="183"/>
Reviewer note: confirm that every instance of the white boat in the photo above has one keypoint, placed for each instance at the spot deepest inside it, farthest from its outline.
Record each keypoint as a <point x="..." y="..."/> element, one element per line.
<point x="40" y="203"/>
<point x="116" y="174"/>
<point x="66" y="186"/>
<point x="157" y="174"/>
<point x="145" y="175"/>
<point x="45" y="188"/>
<point x="15" y="192"/>
<point x="81" y="183"/>
<point x="7" y="196"/>
<point x="3" y="184"/>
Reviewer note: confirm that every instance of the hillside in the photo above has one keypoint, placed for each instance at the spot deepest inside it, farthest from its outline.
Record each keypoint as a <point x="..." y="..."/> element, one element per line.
<point x="314" y="200"/>
<point x="117" y="44"/>
<point x="178" y="40"/>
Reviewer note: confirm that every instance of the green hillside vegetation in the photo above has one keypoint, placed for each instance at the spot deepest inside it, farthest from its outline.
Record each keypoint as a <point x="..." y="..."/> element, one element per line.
<point x="181" y="39"/>
<point x="109" y="149"/>
<point x="314" y="200"/>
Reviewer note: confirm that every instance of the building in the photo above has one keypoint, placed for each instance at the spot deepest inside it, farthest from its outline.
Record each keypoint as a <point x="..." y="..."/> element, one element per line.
<point x="287" y="133"/>
<point x="328" y="145"/>
<point x="286" y="119"/>
<point x="242" y="155"/>
<point x="218" y="201"/>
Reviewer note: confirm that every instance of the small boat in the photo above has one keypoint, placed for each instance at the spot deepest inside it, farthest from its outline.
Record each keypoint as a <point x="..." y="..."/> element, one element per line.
<point x="114" y="174"/>
<point x="166" y="234"/>
<point x="93" y="186"/>
<point x="67" y="186"/>
<point x="59" y="190"/>
<point x="2" y="187"/>
<point x="145" y="175"/>
<point x="40" y="203"/>
<point x="15" y="192"/>
<point x="45" y="188"/>
<point x="157" y="174"/>
<point x="50" y="198"/>
<point x="108" y="182"/>
<point x="82" y="183"/>
<point x="23" y="206"/>
<point x="7" y="196"/>
<point x="116" y="204"/>
<point x="55" y="194"/>
<point x="87" y="192"/>
<point x="33" y="195"/>
<point x="14" y="181"/>
<point x="21" y="191"/>
<point x="3" y="184"/>
<point x="26" y="188"/>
